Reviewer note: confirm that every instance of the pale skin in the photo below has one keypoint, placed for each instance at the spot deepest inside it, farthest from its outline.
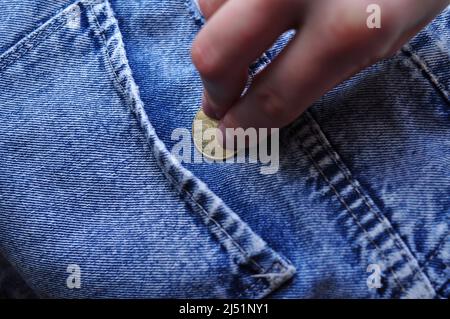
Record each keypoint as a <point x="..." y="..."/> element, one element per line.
<point x="331" y="44"/>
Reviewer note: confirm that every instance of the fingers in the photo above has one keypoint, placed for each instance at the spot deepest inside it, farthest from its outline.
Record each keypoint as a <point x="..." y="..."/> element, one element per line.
<point x="334" y="43"/>
<point x="235" y="36"/>
<point x="309" y="67"/>
<point x="420" y="14"/>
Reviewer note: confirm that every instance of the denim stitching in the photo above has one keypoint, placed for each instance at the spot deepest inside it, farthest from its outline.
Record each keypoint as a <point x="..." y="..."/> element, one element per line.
<point x="440" y="272"/>
<point x="422" y="65"/>
<point x="260" y="281"/>
<point x="172" y="180"/>
<point x="195" y="13"/>
<point x="436" y="252"/>
<point x="248" y="290"/>
<point x="285" y="271"/>
<point x="414" y="271"/>
<point x="409" y="260"/>
<point x="306" y="120"/>
<point x="342" y="201"/>
<point x="107" y="53"/>
<point x="32" y="40"/>
<point x="203" y="210"/>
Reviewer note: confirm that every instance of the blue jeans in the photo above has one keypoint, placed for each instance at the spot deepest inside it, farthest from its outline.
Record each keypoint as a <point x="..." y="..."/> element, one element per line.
<point x="88" y="103"/>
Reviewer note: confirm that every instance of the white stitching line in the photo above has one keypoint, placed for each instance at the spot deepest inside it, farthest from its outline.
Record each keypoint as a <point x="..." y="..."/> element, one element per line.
<point x="354" y="217"/>
<point x="436" y="252"/>
<point x="33" y="39"/>
<point x="258" y="281"/>
<point x="424" y="67"/>
<point x="172" y="179"/>
<point x="175" y="183"/>
<point x="347" y="207"/>
<point x="409" y="260"/>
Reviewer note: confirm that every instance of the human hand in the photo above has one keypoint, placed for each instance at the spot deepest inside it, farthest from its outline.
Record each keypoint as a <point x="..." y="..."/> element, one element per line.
<point x="332" y="43"/>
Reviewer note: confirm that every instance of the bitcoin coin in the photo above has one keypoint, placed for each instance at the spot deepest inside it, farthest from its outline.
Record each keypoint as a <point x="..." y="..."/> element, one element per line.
<point x="206" y="141"/>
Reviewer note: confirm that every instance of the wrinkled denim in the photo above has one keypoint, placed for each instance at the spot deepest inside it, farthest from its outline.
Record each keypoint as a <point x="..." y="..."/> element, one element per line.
<point x="90" y="93"/>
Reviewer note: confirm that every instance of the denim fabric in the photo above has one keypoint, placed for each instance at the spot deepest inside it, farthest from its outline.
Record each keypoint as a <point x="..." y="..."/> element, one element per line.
<point x="89" y="98"/>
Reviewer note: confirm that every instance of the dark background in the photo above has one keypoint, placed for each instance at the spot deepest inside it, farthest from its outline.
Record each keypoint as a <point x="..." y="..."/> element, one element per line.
<point x="11" y="284"/>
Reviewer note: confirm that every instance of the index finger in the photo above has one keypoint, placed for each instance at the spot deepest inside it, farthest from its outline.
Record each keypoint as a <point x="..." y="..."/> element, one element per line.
<point x="236" y="35"/>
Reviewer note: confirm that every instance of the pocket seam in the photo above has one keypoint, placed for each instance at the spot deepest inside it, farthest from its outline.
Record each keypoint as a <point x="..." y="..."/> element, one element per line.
<point x="307" y="131"/>
<point x="33" y="39"/>
<point x="422" y="65"/>
<point x="194" y="192"/>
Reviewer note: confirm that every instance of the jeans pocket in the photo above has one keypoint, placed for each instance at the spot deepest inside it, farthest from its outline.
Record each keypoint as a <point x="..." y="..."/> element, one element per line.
<point x="92" y="204"/>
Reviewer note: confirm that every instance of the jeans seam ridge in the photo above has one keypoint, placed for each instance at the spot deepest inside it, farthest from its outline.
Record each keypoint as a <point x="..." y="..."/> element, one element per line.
<point x="33" y="39"/>
<point x="402" y="248"/>
<point x="439" y="280"/>
<point x="420" y="63"/>
<point x="130" y="92"/>
<point x="436" y="252"/>
<point x="350" y="211"/>
<point x="404" y="252"/>
<point x="308" y="120"/>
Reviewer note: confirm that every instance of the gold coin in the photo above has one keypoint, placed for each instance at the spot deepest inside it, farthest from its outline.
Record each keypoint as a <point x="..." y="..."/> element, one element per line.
<point x="206" y="141"/>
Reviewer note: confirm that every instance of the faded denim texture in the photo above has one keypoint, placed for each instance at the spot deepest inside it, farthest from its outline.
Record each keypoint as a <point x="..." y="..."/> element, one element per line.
<point x="90" y="92"/>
